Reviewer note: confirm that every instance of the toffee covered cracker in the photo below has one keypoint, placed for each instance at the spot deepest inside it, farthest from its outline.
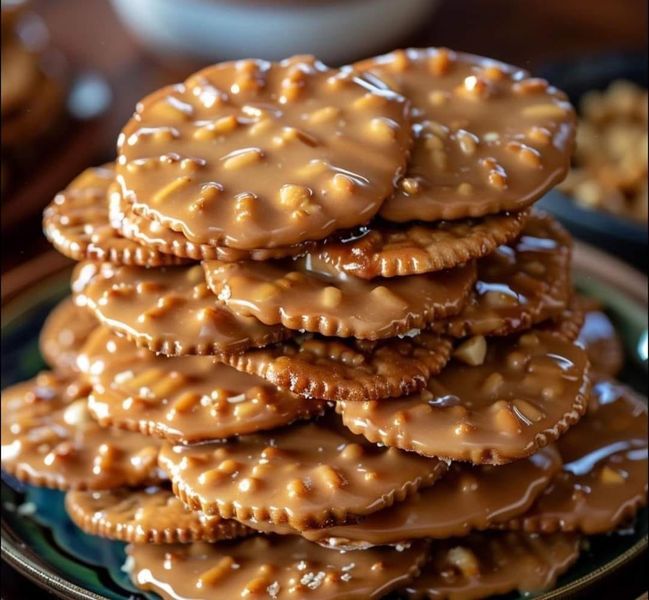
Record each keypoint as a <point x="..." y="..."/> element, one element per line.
<point x="49" y="439"/>
<point x="520" y="284"/>
<point x="183" y="399"/>
<point x="488" y="137"/>
<point x="63" y="334"/>
<point x="467" y="498"/>
<point x="154" y="234"/>
<point x="568" y="323"/>
<point x="148" y="516"/>
<point x="492" y="564"/>
<point x="253" y="154"/>
<point x="169" y="310"/>
<point x="381" y="249"/>
<point x="76" y="222"/>
<point x="498" y="401"/>
<point x="277" y="567"/>
<point x="308" y="295"/>
<point x="604" y="477"/>
<point x="304" y="475"/>
<point x="602" y="343"/>
<point x="347" y="369"/>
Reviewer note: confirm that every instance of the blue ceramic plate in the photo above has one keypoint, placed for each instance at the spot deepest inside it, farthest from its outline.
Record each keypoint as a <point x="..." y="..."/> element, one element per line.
<point x="40" y="541"/>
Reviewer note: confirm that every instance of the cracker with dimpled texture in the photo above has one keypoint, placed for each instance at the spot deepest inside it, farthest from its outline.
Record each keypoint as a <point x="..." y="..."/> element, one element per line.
<point x="522" y="283"/>
<point x="76" y="222"/>
<point x="253" y="154"/>
<point x="271" y="567"/>
<point x="382" y="249"/>
<point x="184" y="399"/>
<point x="63" y="334"/>
<point x="169" y="310"/>
<point x="488" y="137"/>
<point x="50" y="440"/>
<point x="306" y="294"/>
<point x="148" y="516"/>
<point x="569" y="322"/>
<point x="347" y="369"/>
<point x="494" y="563"/>
<point x="497" y="401"/>
<point x="604" y="477"/>
<point x="303" y="475"/>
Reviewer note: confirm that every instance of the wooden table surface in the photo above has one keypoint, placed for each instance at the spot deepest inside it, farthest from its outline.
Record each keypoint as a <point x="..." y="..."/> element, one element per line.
<point x="528" y="33"/>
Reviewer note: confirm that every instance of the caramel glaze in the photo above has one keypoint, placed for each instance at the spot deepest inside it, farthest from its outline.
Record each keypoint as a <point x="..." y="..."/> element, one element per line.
<point x="168" y="310"/>
<point x="303" y="475"/>
<point x="468" y="498"/>
<point x="488" y="137"/>
<point x="149" y="516"/>
<point x="182" y="399"/>
<point x="494" y="563"/>
<point x="604" y="478"/>
<point x="307" y="294"/>
<point x="525" y="393"/>
<point x="520" y="284"/>
<point x="252" y="154"/>
<point x="270" y="567"/>
<point x="49" y="439"/>
<point x="63" y="334"/>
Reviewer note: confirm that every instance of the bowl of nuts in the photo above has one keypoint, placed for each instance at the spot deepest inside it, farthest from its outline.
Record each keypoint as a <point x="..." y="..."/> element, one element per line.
<point x="604" y="198"/>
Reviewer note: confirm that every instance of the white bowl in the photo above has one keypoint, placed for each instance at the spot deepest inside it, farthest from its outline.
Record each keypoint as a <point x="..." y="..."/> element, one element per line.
<point x="336" y="31"/>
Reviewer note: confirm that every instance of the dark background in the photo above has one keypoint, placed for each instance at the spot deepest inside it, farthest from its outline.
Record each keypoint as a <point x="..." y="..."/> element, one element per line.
<point x="528" y="33"/>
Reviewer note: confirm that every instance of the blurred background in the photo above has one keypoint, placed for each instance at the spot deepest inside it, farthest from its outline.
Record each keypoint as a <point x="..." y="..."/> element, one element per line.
<point x="72" y="71"/>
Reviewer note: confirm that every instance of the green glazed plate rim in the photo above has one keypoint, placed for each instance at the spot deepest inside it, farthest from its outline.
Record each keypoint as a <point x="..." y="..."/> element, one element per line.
<point x="16" y="553"/>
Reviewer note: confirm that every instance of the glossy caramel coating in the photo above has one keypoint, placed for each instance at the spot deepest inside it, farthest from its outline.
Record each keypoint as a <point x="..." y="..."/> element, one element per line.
<point x="382" y="249"/>
<point x="76" y="222"/>
<point x="347" y="369"/>
<point x="152" y="515"/>
<point x="64" y="332"/>
<point x="604" y="477"/>
<point x="183" y="399"/>
<point x="602" y="343"/>
<point x="522" y="283"/>
<point x="277" y="568"/>
<point x="168" y="310"/>
<point x="306" y="294"/>
<point x="524" y="393"/>
<point x="490" y="564"/>
<point x="488" y="137"/>
<point x="252" y="154"/>
<point x="303" y="475"/>
<point x="50" y="440"/>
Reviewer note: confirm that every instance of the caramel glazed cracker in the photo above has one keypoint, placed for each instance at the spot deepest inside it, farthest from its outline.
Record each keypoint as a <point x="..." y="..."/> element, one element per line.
<point x="488" y="137"/>
<point x="49" y="439"/>
<point x="182" y="399"/>
<point x="252" y="154"/>
<point x="499" y="400"/>
<point x="303" y="475"/>
<point x="271" y="567"/>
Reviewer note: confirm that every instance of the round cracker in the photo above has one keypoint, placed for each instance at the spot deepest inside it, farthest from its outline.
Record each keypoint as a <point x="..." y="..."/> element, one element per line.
<point x="253" y="154"/>
<point x="168" y="310"/>
<point x="303" y="475"/>
<point x="183" y="399"/>
<point x="50" y="440"/>
<point x="148" y="516"/>
<point x="520" y="284"/>
<point x="499" y="400"/>
<point x="347" y="369"/>
<point x="488" y="138"/>
<point x="306" y="294"/>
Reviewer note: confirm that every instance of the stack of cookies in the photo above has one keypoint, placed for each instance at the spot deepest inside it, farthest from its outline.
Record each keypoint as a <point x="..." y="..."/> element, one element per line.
<point x="320" y="345"/>
<point x="32" y="88"/>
